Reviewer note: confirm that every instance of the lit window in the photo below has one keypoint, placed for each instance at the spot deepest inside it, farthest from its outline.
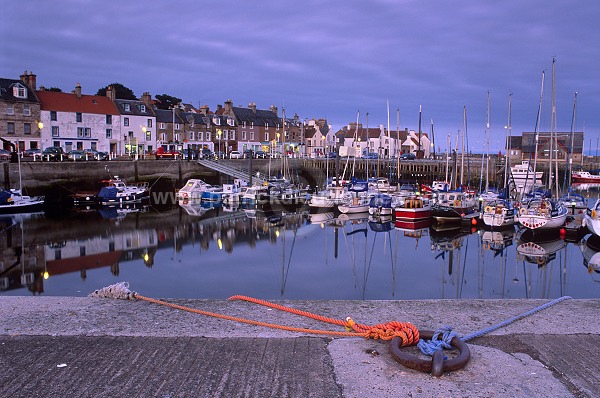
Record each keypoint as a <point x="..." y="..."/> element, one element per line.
<point x="148" y="135"/>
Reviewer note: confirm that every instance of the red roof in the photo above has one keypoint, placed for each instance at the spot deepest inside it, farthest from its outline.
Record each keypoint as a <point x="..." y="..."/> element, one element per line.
<point x="67" y="102"/>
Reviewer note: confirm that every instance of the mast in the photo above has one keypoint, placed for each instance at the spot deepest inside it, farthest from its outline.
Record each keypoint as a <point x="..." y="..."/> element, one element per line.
<point x="432" y="138"/>
<point x="462" y="159"/>
<point x="388" y="130"/>
<point x="572" y="137"/>
<point x="553" y="135"/>
<point x="420" y="111"/>
<point x="537" y="127"/>
<point x="508" y="147"/>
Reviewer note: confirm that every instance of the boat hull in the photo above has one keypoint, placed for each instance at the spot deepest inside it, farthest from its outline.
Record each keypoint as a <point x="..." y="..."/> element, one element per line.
<point x="404" y="214"/>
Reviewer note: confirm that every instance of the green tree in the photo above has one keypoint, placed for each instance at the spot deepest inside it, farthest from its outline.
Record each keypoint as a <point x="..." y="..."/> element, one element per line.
<point x="121" y="92"/>
<point x="166" y="101"/>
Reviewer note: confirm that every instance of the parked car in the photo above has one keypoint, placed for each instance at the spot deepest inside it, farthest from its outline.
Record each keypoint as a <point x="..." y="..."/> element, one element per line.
<point x="54" y="153"/>
<point x="248" y="153"/>
<point x="4" y="154"/>
<point x="260" y="155"/>
<point x="93" y="154"/>
<point x="162" y="153"/>
<point x="331" y="155"/>
<point x="408" y="156"/>
<point x="29" y="153"/>
<point x="189" y="154"/>
<point x="220" y="155"/>
<point x="76" y="155"/>
<point x="207" y="154"/>
<point x="371" y="155"/>
<point x="235" y="155"/>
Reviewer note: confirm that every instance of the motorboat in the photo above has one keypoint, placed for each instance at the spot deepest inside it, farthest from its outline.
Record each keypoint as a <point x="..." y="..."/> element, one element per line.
<point x="498" y="213"/>
<point x="117" y="191"/>
<point x="541" y="213"/>
<point x="13" y="202"/>
<point x="194" y="188"/>
<point x="585" y="176"/>
<point x="381" y="205"/>
<point x="413" y="208"/>
<point x="452" y="206"/>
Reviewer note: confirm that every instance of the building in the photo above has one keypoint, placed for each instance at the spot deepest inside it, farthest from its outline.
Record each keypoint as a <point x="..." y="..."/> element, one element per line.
<point x="136" y="135"/>
<point x="78" y="121"/>
<point x="562" y="144"/>
<point x="20" y="120"/>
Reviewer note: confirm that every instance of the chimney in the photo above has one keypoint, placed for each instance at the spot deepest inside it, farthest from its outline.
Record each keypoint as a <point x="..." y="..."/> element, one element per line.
<point x="228" y="106"/>
<point x="252" y="106"/>
<point x="24" y="78"/>
<point x="78" y="90"/>
<point x="273" y="109"/>
<point x="111" y="93"/>
<point x="204" y="110"/>
<point x="219" y="107"/>
<point x="32" y="81"/>
<point x="147" y="99"/>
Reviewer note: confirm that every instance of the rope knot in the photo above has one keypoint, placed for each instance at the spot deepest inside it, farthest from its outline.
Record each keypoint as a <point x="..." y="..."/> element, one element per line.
<point x="406" y="331"/>
<point x="441" y="339"/>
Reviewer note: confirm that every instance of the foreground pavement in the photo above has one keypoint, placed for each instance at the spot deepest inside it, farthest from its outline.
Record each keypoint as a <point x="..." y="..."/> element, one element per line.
<point x="92" y="347"/>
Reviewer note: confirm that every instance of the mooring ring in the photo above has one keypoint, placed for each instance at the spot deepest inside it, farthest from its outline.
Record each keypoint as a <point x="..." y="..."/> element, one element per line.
<point x="437" y="365"/>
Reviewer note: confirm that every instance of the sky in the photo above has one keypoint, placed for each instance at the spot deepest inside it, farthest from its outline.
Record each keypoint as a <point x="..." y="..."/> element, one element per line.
<point x="341" y="60"/>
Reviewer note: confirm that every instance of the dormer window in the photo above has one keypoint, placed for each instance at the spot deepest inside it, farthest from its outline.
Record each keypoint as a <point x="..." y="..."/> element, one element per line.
<point x="127" y="107"/>
<point x="19" y="91"/>
<point x="230" y="121"/>
<point x="216" y="121"/>
<point x="143" y="108"/>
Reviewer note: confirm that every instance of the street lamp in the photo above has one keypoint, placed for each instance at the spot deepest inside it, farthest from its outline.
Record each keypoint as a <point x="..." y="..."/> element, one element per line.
<point x="219" y="132"/>
<point x="277" y="144"/>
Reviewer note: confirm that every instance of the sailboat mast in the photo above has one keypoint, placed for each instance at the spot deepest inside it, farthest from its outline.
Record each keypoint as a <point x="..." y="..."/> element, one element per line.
<point x="553" y="132"/>
<point x="537" y="127"/>
<point x="508" y="147"/>
<point x="388" y="130"/>
<point x="572" y="137"/>
<point x="487" y="165"/>
<point x="432" y="139"/>
<point x="462" y="159"/>
<point x="419" y="150"/>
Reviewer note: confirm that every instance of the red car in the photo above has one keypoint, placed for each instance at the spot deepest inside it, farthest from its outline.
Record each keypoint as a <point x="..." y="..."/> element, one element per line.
<point x="162" y="153"/>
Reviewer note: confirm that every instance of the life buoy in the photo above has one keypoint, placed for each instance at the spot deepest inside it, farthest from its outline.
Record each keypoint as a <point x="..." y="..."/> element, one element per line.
<point x="540" y="260"/>
<point x="486" y="245"/>
<point x="522" y="211"/>
<point x="456" y="203"/>
<point x="488" y="209"/>
<point x="593" y="213"/>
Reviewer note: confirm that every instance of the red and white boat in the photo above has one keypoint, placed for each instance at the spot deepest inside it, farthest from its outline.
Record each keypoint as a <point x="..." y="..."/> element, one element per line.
<point x="413" y="208"/>
<point x="585" y="176"/>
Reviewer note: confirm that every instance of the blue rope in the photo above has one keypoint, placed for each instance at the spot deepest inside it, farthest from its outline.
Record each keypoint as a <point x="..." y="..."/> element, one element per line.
<point x="435" y="344"/>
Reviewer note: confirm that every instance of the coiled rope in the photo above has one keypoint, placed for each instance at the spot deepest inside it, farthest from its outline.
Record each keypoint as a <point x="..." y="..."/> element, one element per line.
<point x="408" y="332"/>
<point x="437" y="343"/>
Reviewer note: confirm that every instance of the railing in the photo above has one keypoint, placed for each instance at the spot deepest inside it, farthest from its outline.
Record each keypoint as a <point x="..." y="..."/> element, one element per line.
<point x="228" y="169"/>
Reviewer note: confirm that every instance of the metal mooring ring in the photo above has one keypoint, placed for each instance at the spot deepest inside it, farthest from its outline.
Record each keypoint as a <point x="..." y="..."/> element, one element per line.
<point x="437" y="365"/>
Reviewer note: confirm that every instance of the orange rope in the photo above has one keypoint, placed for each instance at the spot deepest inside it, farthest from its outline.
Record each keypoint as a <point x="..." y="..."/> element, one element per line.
<point x="406" y="331"/>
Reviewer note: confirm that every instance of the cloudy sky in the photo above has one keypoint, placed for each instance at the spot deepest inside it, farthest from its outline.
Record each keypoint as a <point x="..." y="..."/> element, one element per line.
<point x="328" y="59"/>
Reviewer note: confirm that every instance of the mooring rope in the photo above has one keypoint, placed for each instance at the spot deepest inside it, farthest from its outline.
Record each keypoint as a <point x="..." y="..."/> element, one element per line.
<point x="435" y="344"/>
<point x="408" y="333"/>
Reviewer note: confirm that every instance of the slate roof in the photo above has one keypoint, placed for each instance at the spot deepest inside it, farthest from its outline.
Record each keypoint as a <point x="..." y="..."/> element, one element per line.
<point x="166" y="116"/>
<point x="135" y="107"/>
<point x="260" y="118"/>
<point x="68" y="102"/>
<point x="6" y="92"/>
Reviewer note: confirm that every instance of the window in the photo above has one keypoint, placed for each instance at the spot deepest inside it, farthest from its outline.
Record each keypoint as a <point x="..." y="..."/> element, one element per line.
<point x="125" y="121"/>
<point x="108" y="133"/>
<point x="53" y="115"/>
<point x="108" y="119"/>
<point x="55" y="131"/>
<point x="127" y="107"/>
<point x="130" y="134"/>
<point x="243" y="135"/>
<point x="78" y="117"/>
<point x="252" y="135"/>
<point x="10" y="128"/>
<point x="252" y="125"/>
<point x="266" y="136"/>
<point x="143" y="110"/>
<point x="80" y="132"/>
<point x="84" y="132"/>
<point x="94" y="146"/>
<point x="26" y="110"/>
<point x="177" y="137"/>
<point x="232" y="134"/>
<point x="19" y="91"/>
<point x="191" y="136"/>
<point x="10" y="110"/>
<point x="208" y="136"/>
<point x="244" y="123"/>
<point x="162" y="125"/>
<point x="148" y="135"/>
<point x="216" y="120"/>
<point x="200" y="136"/>
<point x="27" y="128"/>
<point x="149" y="124"/>
<point x="176" y="126"/>
<point x="163" y="137"/>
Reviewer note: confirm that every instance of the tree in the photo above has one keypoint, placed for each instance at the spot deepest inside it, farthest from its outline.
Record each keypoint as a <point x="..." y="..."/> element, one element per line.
<point x="121" y="92"/>
<point x="55" y="89"/>
<point x="166" y="101"/>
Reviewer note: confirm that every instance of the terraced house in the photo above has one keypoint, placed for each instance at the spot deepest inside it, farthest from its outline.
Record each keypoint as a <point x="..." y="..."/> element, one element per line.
<point x="21" y="123"/>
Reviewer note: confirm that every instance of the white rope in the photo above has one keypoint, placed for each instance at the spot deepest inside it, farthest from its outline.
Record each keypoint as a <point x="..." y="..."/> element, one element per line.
<point x="117" y="291"/>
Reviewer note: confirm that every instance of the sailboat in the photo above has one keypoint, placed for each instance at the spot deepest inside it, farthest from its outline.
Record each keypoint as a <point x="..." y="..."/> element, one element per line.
<point x="12" y="201"/>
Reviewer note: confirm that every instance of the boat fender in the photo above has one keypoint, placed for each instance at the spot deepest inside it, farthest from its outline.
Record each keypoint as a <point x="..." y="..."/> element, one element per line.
<point x="488" y="209"/>
<point x="456" y="203"/>
<point x="522" y="211"/>
<point x="593" y="214"/>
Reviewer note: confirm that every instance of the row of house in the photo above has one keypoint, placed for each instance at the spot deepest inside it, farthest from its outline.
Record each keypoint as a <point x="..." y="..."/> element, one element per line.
<point x="39" y="118"/>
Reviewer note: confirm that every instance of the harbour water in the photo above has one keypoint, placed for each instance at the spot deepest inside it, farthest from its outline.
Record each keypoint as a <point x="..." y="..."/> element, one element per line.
<point x="203" y="252"/>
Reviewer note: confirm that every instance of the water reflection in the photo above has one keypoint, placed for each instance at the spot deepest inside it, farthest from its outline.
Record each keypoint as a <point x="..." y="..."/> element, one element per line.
<point x="215" y="252"/>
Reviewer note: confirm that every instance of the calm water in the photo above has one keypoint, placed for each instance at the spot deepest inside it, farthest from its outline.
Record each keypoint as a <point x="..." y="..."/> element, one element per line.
<point x="205" y="253"/>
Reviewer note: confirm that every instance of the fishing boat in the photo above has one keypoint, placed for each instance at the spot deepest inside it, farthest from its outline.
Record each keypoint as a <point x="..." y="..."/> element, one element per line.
<point x="117" y="191"/>
<point x="413" y="208"/>
<point x="585" y="176"/>
<point x="13" y="202"/>
<point x="591" y="219"/>
<point x="328" y="198"/>
<point x="498" y="213"/>
<point x="452" y="206"/>
<point x="541" y="213"/>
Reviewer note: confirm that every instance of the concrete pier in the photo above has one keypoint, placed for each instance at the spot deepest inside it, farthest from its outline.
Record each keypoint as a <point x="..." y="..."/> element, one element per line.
<point x="91" y="347"/>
